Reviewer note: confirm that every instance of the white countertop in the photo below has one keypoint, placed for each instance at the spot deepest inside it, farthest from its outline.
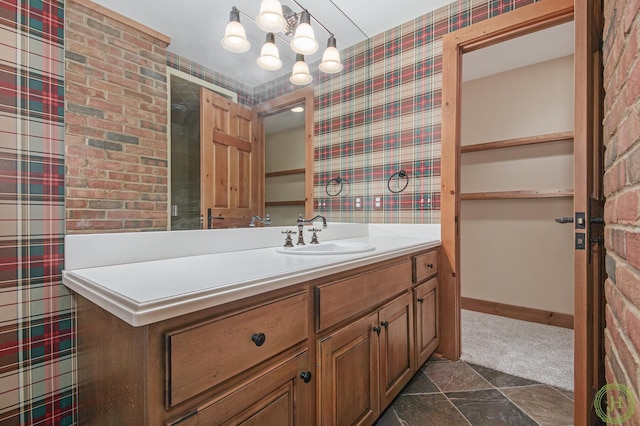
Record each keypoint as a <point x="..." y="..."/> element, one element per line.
<point x="143" y="278"/>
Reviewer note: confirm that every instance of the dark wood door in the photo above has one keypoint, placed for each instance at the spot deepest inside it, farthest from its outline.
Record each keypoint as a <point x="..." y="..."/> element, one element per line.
<point x="397" y="357"/>
<point x="348" y="375"/>
<point x="426" y="309"/>
<point x="231" y="162"/>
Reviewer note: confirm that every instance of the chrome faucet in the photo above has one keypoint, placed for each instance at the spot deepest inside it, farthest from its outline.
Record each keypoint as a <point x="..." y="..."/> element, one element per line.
<point x="266" y="221"/>
<point x="301" y="221"/>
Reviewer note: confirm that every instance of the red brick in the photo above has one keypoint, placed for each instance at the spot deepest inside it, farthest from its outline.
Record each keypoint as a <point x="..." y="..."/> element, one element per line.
<point x="633" y="248"/>
<point x="630" y="14"/>
<point x="76" y="204"/>
<point x="94" y="225"/>
<point x="104" y="105"/>
<point x="85" y="152"/>
<point x="627" y="207"/>
<point x="86" y="214"/>
<point x="632" y="87"/>
<point x="625" y="353"/>
<point x="106" y="165"/>
<point x="632" y="326"/>
<point x="139" y="224"/>
<point x="105" y="184"/>
<point x="136" y="41"/>
<point x="124" y="177"/>
<point x="104" y="125"/>
<point x="123" y="214"/>
<point x="86" y="194"/>
<point x="122" y="195"/>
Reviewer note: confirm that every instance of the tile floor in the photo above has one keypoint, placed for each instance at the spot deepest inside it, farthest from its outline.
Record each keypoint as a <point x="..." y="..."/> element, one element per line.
<point x="456" y="393"/>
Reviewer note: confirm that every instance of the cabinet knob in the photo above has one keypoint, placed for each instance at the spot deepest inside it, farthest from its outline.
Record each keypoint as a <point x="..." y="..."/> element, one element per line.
<point x="420" y="299"/>
<point x="430" y="265"/>
<point x="306" y="376"/>
<point x="385" y="324"/>
<point x="259" y="339"/>
<point x="377" y="330"/>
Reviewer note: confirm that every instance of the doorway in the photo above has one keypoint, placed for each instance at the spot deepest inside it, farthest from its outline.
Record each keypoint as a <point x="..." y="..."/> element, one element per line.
<point x="588" y="258"/>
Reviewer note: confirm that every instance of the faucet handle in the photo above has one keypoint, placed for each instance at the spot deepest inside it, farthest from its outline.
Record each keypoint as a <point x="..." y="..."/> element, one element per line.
<point x="314" y="237"/>
<point x="288" y="242"/>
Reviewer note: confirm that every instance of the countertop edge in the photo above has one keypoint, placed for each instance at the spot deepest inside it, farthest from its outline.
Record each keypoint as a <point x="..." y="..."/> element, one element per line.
<point x="138" y="315"/>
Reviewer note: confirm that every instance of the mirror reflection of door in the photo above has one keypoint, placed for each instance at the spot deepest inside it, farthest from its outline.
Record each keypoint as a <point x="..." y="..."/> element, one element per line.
<point x="285" y="165"/>
<point x="231" y="163"/>
<point x="185" y="165"/>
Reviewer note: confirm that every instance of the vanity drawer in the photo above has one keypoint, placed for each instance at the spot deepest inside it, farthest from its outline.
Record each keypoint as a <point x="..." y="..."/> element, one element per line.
<point x="202" y="356"/>
<point x="425" y="265"/>
<point x="338" y="301"/>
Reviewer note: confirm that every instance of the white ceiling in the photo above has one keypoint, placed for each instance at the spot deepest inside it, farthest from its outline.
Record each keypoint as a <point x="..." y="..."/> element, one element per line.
<point x="196" y="28"/>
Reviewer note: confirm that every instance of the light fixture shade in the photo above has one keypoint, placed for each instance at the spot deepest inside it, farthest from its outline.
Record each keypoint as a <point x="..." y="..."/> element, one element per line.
<point x="270" y="18"/>
<point x="269" y="56"/>
<point x="300" y="74"/>
<point x="304" y="40"/>
<point x="331" y="58"/>
<point x="235" y="38"/>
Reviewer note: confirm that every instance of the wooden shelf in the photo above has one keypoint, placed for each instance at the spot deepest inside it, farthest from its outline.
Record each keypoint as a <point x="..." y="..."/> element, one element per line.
<point x="284" y="203"/>
<point x="508" y="143"/>
<point x="506" y="195"/>
<point x="285" y="173"/>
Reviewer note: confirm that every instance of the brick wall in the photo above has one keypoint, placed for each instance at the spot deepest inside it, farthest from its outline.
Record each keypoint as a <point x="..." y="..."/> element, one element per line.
<point x="622" y="190"/>
<point x="116" y="122"/>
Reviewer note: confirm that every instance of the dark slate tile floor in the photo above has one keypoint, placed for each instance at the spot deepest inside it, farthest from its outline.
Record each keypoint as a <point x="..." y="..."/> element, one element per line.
<point x="456" y="393"/>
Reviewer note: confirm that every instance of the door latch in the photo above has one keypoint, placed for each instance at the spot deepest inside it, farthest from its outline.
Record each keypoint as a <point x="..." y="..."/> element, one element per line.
<point x="580" y="241"/>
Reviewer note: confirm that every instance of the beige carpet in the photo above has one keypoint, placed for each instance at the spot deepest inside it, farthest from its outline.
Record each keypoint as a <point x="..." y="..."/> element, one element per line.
<point x="537" y="352"/>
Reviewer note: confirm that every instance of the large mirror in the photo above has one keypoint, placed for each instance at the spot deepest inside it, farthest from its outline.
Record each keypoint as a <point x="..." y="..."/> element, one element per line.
<point x="285" y="127"/>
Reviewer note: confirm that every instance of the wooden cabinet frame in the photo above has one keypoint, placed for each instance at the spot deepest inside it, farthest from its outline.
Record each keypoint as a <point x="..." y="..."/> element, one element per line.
<point x="589" y="353"/>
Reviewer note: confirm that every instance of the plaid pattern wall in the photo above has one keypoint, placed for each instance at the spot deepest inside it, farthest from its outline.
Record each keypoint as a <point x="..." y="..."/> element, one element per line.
<point x="381" y="114"/>
<point x="37" y="379"/>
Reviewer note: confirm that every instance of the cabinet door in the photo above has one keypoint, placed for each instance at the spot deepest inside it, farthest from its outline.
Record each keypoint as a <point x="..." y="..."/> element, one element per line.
<point x="348" y="374"/>
<point x="280" y="397"/>
<point x="397" y="360"/>
<point x="426" y="303"/>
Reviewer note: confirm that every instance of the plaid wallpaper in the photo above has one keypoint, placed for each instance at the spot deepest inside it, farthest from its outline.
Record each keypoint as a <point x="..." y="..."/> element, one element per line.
<point x="37" y="379"/>
<point x="381" y="115"/>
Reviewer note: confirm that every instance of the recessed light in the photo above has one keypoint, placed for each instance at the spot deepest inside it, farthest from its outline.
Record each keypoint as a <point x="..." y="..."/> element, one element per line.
<point x="297" y="109"/>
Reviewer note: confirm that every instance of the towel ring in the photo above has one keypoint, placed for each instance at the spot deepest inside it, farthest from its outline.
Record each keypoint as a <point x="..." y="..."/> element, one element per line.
<point x="401" y="175"/>
<point x="338" y="181"/>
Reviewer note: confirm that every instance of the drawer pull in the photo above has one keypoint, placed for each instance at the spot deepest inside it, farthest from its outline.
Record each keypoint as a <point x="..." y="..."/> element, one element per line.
<point x="259" y="339"/>
<point x="420" y="299"/>
<point x="377" y="330"/>
<point x="430" y="265"/>
<point x="306" y="376"/>
<point x="385" y="324"/>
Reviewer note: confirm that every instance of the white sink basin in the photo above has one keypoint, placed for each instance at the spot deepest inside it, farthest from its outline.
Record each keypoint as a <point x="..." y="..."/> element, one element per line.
<point x="334" y="247"/>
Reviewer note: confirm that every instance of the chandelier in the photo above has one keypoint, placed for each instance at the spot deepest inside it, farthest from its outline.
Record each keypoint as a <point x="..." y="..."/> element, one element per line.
<point x="273" y="19"/>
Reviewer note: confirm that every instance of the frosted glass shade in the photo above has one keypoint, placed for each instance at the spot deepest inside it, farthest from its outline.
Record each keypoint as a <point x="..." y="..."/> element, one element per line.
<point x="304" y="40"/>
<point x="269" y="57"/>
<point x="331" y="61"/>
<point x="270" y="18"/>
<point x="235" y="38"/>
<point x="300" y="74"/>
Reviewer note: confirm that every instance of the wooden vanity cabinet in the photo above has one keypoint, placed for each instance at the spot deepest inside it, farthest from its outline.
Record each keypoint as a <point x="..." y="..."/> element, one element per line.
<point x="364" y="364"/>
<point x="245" y="362"/>
<point x="425" y="302"/>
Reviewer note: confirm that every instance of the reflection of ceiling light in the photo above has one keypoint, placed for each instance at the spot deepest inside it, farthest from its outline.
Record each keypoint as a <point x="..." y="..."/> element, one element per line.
<point x="297" y="109"/>
<point x="304" y="40"/>
<point x="270" y="18"/>
<point x="235" y="38"/>
<point x="269" y="56"/>
<point x="331" y="58"/>
<point x="275" y="18"/>
<point x="300" y="74"/>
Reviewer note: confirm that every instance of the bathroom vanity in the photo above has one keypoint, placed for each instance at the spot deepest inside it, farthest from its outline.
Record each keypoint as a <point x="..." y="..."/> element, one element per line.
<point x="218" y="327"/>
